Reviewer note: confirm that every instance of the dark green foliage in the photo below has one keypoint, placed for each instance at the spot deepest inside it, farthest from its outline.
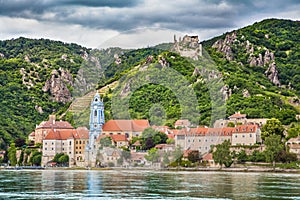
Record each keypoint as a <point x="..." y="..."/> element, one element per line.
<point x="61" y="159"/>
<point x="193" y="156"/>
<point x="36" y="158"/>
<point x="151" y="137"/>
<point x="222" y="154"/>
<point x="17" y="100"/>
<point x="105" y="142"/>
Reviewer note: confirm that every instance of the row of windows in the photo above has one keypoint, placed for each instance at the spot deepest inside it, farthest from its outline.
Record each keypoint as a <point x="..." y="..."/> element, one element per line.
<point x="205" y="140"/>
<point x="79" y="142"/>
<point x="70" y="143"/>
<point x="243" y="136"/>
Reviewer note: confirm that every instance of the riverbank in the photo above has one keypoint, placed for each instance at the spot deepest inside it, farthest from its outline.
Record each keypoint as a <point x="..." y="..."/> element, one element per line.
<point x="198" y="169"/>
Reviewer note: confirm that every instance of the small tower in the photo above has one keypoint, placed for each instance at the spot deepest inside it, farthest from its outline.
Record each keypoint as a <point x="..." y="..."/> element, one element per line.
<point x="96" y="123"/>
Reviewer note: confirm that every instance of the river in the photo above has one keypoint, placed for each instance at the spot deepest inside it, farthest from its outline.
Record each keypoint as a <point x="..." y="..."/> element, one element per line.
<point x="142" y="184"/>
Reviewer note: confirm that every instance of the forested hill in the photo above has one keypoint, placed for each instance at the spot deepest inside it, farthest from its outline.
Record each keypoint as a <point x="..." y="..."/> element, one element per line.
<point x="262" y="67"/>
<point x="259" y="66"/>
<point x="36" y="77"/>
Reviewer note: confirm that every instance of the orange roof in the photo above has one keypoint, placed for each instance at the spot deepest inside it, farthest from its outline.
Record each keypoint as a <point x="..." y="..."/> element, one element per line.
<point x="126" y="125"/>
<point x="208" y="156"/>
<point x="245" y="129"/>
<point x="238" y="115"/>
<point x="137" y="143"/>
<point x="60" y="134"/>
<point x="55" y="125"/>
<point x="186" y="153"/>
<point x="118" y="138"/>
<point x="81" y="133"/>
<point x="32" y="134"/>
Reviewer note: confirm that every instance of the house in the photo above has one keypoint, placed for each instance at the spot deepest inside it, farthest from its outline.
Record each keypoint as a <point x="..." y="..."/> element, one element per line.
<point x="182" y="123"/>
<point x="245" y="135"/>
<point x="31" y="136"/>
<point x="241" y="119"/>
<point x="201" y="138"/>
<point x="294" y="146"/>
<point x="208" y="160"/>
<point x="116" y="140"/>
<point x="165" y="147"/>
<point x="120" y="140"/>
<point x="138" y="158"/>
<point x="42" y="130"/>
<point x="71" y="142"/>
<point x="237" y="117"/>
<point x="109" y="156"/>
<point x="129" y="128"/>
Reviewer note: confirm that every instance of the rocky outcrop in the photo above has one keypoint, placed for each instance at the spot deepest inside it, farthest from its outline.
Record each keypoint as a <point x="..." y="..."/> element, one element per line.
<point x="57" y="85"/>
<point x="226" y="92"/>
<point x="246" y="93"/>
<point x="189" y="47"/>
<point x="225" y="46"/>
<point x="272" y="74"/>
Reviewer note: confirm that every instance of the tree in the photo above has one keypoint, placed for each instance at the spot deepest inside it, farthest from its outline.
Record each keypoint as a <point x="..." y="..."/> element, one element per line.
<point x="177" y="155"/>
<point x="222" y="154"/>
<point x="272" y="127"/>
<point x="36" y="158"/>
<point x="230" y="124"/>
<point x="64" y="159"/>
<point x="152" y="156"/>
<point x="105" y="142"/>
<point x="12" y="154"/>
<point x="170" y="141"/>
<point x="242" y="157"/>
<point x="151" y="137"/>
<point x="20" y="142"/>
<point x="193" y="156"/>
<point x="166" y="159"/>
<point x="273" y="148"/>
<point x="21" y="159"/>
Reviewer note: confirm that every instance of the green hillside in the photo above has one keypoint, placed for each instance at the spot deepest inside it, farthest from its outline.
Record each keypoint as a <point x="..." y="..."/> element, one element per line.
<point x="25" y="66"/>
<point x="254" y="70"/>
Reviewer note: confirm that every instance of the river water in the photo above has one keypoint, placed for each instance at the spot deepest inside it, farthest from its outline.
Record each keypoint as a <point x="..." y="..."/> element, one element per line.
<point x="139" y="184"/>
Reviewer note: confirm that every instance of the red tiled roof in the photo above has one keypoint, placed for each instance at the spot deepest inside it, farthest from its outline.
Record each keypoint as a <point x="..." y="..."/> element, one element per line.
<point x="81" y="133"/>
<point x="126" y="125"/>
<point x="60" y="134"/>
<point x="137" y="143"/>
<point x="186" y="153"/>
<point x="238" y="115"/>
<point x="118" y="138"/>
<point x="55" y="125"/>
<point x="208" y="156"/>
<point x="32" y="134"/>
<point x="245" y="129"/>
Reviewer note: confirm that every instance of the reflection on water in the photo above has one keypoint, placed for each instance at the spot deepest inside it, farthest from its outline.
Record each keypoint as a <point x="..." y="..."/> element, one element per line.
<point x="136" y="184"/>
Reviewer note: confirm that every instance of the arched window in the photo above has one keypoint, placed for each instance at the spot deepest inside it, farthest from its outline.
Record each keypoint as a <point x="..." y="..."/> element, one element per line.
<point x="95" y="113"/>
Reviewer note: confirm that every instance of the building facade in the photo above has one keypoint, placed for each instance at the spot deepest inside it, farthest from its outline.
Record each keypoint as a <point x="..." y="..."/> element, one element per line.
<point x="42" y="130"/>
<point x="96" y="122"/>
<point x="129" y="128"/>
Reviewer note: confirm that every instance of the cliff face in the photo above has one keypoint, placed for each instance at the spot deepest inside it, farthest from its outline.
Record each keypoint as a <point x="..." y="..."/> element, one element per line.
<point x="232" y="43"/>
<point x="57" y="85"/>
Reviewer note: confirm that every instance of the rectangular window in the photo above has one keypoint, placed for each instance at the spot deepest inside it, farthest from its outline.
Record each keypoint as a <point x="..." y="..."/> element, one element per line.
<point x="235" y="136"/>
<point x="45" y="148"/>
<point x="243" y="136"/>
<point x="250" y="135"/>
<point x="76" y="142"/>
<point x="70" y="143"/>
<point x="199" y="140"/>
<point x="63" y="149"/>
<point x="45" y="143"/>
<point x="52" y="149"/>
<point x="52" y="143"/>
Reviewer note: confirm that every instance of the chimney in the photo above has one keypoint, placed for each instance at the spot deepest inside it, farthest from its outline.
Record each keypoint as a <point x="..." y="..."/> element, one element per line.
<point x="52" y="119"/>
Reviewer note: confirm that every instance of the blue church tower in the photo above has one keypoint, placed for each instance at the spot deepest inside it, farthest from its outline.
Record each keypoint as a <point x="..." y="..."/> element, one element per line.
<point x="96" y="123"/>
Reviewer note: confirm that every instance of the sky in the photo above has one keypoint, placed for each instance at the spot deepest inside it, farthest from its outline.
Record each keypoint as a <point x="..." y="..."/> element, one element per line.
<point x="134" y="23"/>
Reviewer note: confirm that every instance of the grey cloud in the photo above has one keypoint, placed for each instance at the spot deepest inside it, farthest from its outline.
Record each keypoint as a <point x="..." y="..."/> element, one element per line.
<point x="123" y="15"/>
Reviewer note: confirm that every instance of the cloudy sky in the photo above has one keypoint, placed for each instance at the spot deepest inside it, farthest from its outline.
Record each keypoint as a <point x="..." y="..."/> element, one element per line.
<point x="134" y="23"/>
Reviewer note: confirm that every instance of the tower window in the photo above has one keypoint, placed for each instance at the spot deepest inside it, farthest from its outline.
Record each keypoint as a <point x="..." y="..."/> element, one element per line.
<point x="95" y="113"/>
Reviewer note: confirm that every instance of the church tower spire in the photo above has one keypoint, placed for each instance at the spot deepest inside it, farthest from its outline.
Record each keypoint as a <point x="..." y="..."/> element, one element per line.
<point x="96" y="122"/>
